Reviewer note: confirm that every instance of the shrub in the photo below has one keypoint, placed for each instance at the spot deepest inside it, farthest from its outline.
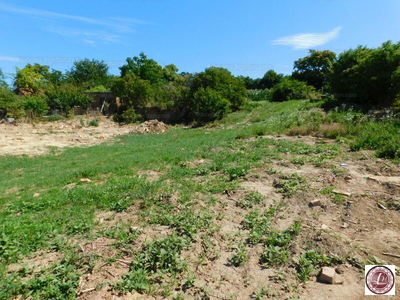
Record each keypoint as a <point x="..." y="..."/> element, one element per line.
<point x="10" y="104"/>
<point x="209" y="105"/>
<point x="222" y="81"/>
<point x="367" y="76"/>
<point x="35" y="106"/>
<point x="291" y="89"/>
<point x="128" y="116"/>
<point x="94" y="123"/>
<point x="66" y="97"/>
<point x="98" y="88"/>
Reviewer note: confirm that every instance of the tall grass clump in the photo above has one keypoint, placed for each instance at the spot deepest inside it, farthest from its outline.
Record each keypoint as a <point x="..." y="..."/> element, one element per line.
<point x="380" y="136"/>
<point x="259" y="95"/>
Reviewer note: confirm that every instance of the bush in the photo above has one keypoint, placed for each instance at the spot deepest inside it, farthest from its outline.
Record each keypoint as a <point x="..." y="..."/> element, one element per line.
<point x="66" y="97"/>
<point x="35" y="106"/>
<point x="222" y="81"/>
<point x="94" y="123"/>
<point x="134" y="91"/>
<point x="370" y="77"/>
<point x="99" y="88"/>
<point x="11" y="105"/>
<point x="128" y="116"/>
<point x="209" y="105"/>
<point x="379" y="136"/>
<point x="291" y="89"/>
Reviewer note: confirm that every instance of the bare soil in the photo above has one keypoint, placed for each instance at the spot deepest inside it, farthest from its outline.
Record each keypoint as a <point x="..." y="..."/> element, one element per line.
<point x="40" y="138"/>
<point x="364" y="224"/>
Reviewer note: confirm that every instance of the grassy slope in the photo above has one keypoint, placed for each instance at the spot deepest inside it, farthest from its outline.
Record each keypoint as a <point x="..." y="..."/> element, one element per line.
<point x="43" y="203"/>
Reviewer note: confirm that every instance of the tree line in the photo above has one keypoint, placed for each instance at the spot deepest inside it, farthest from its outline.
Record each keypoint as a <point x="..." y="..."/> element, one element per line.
<point x="364" y="76"/>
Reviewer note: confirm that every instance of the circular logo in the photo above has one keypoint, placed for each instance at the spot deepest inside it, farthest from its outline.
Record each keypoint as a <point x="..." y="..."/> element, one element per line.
<point x="380" y="280"/>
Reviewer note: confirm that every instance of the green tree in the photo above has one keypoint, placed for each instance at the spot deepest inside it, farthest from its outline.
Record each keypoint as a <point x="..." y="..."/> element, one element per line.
<point x="134" y="91"/>
<point x="34" y="77"/>
<point x="368" y="76"/>
<point x="209" y="104"/>
<point x="11" y="105"/>
<point x="144" y="68"/>
<point x="3" y="83"/>
<point x="170" y="72"/>
<point x="56" y="78"/>
<point x="269" y="80"/>
<point x="250" y="83"/>
<point x="87" y="74"/>
<point x="315" y="68"/>
<point x="223" y="82"/>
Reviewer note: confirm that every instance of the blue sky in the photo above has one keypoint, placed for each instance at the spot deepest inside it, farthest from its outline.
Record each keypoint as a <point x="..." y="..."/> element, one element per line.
<point x="246" y="37"/>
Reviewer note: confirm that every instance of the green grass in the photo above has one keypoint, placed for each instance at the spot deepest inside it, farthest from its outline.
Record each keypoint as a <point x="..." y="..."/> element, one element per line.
<point x="45" y="205"/>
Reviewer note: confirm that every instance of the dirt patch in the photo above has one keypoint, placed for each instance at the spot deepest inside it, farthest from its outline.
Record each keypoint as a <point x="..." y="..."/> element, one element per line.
<point x="41" y="138"/>
<point x="37" y="261"/>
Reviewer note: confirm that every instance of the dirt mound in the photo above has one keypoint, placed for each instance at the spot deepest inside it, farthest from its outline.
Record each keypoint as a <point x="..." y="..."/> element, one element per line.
<point x="152" y="126"/>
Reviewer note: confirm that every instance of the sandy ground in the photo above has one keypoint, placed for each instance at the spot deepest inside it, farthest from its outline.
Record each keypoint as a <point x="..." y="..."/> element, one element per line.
<point x="39" y="138"/>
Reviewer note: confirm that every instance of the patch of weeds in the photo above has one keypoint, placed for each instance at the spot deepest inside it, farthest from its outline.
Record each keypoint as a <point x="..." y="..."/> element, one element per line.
<point x="277" y="244"/>
<point x="236" y="172"/>
<point x="250" y="200"/>
<point x="299" y="161"/>
<point x="261" y="293"/>
<point x="123" y="233"/>
<point x="239" y="257"/>
<point x="218" y="186"/>
<point x="259" y="224"/>
<point x="280" y="275"/>
<point x="209" y="247"/>
<point x="274" y="255"/>
<point x="187" y="222"/>
<point x="94" y="123"/>
<point x="336" y="197"/>
<point x="309" y="262"/>
<point x="290" y="184"/>
<point x="204" y="292"/>
<point x="338" y="171"/>
<point x="57" y="282"/>
<point x="157" y="259"/>
<point x="54" y="118"/>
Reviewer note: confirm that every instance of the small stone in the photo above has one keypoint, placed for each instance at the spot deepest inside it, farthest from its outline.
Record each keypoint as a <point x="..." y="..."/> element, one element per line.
<point x="327" y="275"/>
<point x="345" y="225"/>
<point x="36" y="195"/>
<point x="339" y="270"/>
<point x="324" y="227"/>
<point x="133" y="229"/>
<point x="316" y="202"/>
<point x="348" y="178"/>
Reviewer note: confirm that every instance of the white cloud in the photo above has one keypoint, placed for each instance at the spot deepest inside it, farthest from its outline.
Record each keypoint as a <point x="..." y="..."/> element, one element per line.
<point x="90" y="42"/>
<point x="86" y="36"/>
<point x="107" y="32"/>
<point x="308" y="40"/>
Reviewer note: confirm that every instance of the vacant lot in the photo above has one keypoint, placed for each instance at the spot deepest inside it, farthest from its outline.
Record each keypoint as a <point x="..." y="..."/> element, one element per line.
<point x="191" y="214"/>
